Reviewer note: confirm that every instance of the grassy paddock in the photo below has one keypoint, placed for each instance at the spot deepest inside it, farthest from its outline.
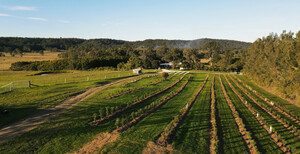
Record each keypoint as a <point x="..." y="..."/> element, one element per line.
<point x="59" y="77"/>
<point x="70" y="130"/>
<point x="23" y="102"/>
<point x="5" y="62"/>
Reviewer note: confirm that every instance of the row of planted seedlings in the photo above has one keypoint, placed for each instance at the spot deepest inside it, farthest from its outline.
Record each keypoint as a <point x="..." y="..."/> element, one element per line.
<point x="213" y="148"/>
<point x="129" y="105"/>
<point x="239" y="121"/>
<point x="142" y="113"/>
<point x="279" y="117"/>
<point x="272" y="104"/>
<point x="228" y="131"/>
<point x="136" y="80"/>
<point x="277" y="106"/>
<point x="170" y="130"/>
<point x="130" y="90"/>
<point x="271" y="123"/>
<point x="267" y="127"/>
<point x="123" y="92"/>
<point x="159" y="81"/>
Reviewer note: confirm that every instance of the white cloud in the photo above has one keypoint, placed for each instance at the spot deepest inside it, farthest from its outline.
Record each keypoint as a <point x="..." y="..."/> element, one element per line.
<point x="64" y="21"/>
<point x="4" y="15"/>
<point x="39" y="19"/>
<point x="20" y="8"/>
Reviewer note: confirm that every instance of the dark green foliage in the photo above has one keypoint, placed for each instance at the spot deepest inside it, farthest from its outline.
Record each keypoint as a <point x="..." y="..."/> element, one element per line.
<point x="274" y="61"/>
<point x="164" y="75"/>
<point x="68" y="63"/>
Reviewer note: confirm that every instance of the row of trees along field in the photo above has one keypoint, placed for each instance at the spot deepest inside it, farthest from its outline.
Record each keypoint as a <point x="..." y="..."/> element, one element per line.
<point x="81" y="56"/>
<point x="274" y="61"/>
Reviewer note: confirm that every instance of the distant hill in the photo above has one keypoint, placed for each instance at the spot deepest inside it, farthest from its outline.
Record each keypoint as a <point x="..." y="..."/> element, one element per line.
<point x="17" y="44"/>
<point x="198" y="44"/>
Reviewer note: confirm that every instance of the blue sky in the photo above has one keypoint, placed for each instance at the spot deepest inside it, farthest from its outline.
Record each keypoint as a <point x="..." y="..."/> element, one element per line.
<point x="148" y="19"/>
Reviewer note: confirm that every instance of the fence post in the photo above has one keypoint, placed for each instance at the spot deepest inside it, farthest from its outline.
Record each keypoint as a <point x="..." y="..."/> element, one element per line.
<point x="29" y="84"/>
<point x="65" y="80"/>
<point x="11" y="85"/>
<point x="87" y="78"/>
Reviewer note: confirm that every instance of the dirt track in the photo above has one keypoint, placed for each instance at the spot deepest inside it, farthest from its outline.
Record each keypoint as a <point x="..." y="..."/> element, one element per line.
<point x="29" y="123"/>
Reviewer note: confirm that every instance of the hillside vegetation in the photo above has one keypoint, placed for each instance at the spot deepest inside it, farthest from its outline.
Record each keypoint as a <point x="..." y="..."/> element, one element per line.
<point x="274" y="62"/>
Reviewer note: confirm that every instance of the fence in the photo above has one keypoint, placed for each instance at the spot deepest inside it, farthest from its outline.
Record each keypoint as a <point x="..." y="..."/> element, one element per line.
<point x="15" y="85"/>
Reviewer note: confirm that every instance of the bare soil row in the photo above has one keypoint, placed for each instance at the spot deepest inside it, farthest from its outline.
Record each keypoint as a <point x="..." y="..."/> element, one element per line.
<point x="213" y="148"/>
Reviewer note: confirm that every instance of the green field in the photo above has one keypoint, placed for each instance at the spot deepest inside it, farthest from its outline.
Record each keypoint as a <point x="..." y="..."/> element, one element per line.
<point x="69" y="131"/>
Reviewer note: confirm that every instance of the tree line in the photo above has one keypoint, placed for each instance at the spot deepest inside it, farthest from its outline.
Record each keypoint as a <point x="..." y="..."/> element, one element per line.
<point x="274" y="61"/>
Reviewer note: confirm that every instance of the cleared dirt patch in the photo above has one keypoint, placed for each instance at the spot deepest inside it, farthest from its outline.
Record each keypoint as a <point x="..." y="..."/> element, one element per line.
<point x="98" y="142"/>
<point x="154" y="148"/>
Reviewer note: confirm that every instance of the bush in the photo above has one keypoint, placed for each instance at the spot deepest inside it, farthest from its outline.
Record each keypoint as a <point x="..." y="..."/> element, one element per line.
<point x="164" y="75"/>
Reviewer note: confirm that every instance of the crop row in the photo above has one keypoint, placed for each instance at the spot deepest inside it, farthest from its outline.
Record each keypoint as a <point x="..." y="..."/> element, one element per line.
<point x="260" y="135"/>
<point x="135" y="117"/>
<point x="122" y="92"/>
<point x="273" y="113"/>
<point x="170" y="130"/>
<point x="136" y="138"/>
<point x="214" y="131"/>
<point x="271" y="103"/>
<point x="245" y="134"/>
<point x="273" y="123"/>
<point x="193" y="136"/>
<point x="283" y="104"/>
<point x="230" y="140"/>
<point x="128" y="106"/>
<point x="136" y="80"/>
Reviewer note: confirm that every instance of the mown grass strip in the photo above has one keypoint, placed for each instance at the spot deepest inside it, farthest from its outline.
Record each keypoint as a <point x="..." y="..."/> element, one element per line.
<point x="135" y="139"/>
<point x="169" y="132"/>
<point x="266" y="142"/>
<point x="279" y="129"/>
<point x="285" y="105"/>
<point x="273" y="114"/>
<point x="193" y="134"/>
<point x="151" y="108"/>
<point x="70" y="130"/>
<point x="230" y="139"/>
<point x="245" y="133"/>
<point x="115" y="113"/>
<point x="271" y="104"/>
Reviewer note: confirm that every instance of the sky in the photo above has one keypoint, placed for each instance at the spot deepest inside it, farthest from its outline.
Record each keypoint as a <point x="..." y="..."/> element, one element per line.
<point x="148" y="19"/>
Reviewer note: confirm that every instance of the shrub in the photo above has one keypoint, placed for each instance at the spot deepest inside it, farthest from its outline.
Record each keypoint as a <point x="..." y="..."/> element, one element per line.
<point x="117" y="122"/>
<point x="101" y="113"/>
<point x="164" y="75"/>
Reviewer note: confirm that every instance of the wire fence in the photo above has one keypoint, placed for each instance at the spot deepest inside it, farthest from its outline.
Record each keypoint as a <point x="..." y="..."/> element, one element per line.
<point x="15" y="85"/>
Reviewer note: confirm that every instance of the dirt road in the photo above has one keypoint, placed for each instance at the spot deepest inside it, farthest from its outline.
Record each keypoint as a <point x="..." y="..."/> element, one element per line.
<point x="29" y="123"/>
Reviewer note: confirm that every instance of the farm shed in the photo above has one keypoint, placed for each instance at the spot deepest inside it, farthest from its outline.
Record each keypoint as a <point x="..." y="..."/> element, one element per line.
<point x="137" y="71"/>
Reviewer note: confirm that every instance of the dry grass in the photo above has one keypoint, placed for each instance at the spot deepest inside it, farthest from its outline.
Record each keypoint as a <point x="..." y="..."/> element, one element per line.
<point x="5" y="62"/>
<point x="205" y="60"/>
